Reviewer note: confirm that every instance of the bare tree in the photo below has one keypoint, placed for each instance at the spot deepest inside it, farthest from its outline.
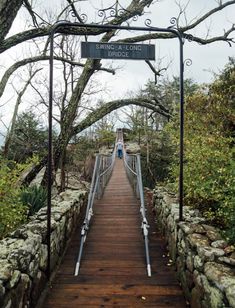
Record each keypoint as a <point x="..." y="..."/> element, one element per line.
<point x="40" y="28"/>
<point x="11" y="128"/>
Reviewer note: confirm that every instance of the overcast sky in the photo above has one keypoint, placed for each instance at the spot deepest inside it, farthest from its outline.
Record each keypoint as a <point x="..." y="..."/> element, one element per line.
<point x="132" y="75"/>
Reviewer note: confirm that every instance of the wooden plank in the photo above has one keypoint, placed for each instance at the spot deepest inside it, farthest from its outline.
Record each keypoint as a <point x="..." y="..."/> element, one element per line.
<point x="158" y="301"/>
<point x="112" y="289"/>
<point x="113" y="266"/>
<point x="155" y="280"/>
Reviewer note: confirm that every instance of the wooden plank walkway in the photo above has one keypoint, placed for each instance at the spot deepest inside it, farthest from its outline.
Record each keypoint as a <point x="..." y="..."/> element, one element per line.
<point x="113" y="267"/>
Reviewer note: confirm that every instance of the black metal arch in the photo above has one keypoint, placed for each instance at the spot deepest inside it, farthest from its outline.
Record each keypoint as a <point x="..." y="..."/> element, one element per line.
<point x="107" y="27"/>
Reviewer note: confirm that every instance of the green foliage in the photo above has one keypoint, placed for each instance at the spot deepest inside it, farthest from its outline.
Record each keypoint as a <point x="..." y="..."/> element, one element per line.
<point x="82" y="149"/>
<point x="79" y="156"/>
<point x="155" y="168"/>
<point x="146" y="127"/>
<point x="12" y="211"/>
<point x="34" y="198"/>
<point x="209" y="172"/>
<point x="29" y="138"/>
<point x="106" y="137"/>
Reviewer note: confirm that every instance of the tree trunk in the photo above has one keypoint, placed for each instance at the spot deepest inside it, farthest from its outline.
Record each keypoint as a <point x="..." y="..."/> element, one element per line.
<point x="62" y="171"/>
<point x="11" y="130"/>
<point x="8" y="12"/>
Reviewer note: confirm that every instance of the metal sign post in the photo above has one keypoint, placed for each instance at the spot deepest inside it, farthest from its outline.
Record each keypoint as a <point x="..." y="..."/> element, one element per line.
<point x="148" y="28"/>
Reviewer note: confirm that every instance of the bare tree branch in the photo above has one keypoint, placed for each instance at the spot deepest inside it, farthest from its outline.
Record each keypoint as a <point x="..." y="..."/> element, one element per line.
<point x="224" y="38"/>
<point x="157" y="73"/>
<point x="31" y="12"/>
<point x="8" y="11"/>
<point x="135" y="8"/>
<point x="201" y="19"/>
<point x="75" y="11"/>
<point x="21" y="63"/>
<point x="11" y="129"/>
<point x="113" y="105"/>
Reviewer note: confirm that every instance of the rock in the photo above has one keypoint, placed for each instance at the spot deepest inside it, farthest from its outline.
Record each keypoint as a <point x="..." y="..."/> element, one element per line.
<point x="190" y="228"/>
<point x="189" y="261"/>
<point x="197" y="240"/>
<point x="2" y="290"/>
<point x="64" y="207"/>
<point x="230" y="294"/>
<point x="213" y="235"/>
<point x="189" y="279"/>
<point x="132" y="148"/>
<point x="175" y="211"/>
<point x="180" y="235"/>
<point x="227" y="260"/>
<point x="14" y="279"/>
<point x="20" y="259"/>
<point x="56" y="216"/>
<point x="4" y="251"/>
<point x="209" y="253"/>
<point x="220" y="275"/>
<point x="39" y="228"/>
<point x="38" y="179"/>
<point x="219" y="244"/>
<point x="229" y="249"/>
<point x="20" y="233"/>
<point x="195" y="219"/>
<point x="24" y="252"/>
<point x="184" y="283"/>
<point x="212" y="297"/>
<point x="23" y="255"/>
<point x="199" y="229"/>
<point x="209" y="228"/>
<point x="181" y="248"/>
<point x="6" y="270"/>
<point x="33" y="268"/>
<point x="22" y="292"/>
<point x="43" y="258"/>
<point x="180" y="265"/>
<point x="198" y="263"/>
<point x="185" y="227"/>
<point x="8" y="303"/>
<point x="72" y="195"/>
<point x="39" y="283"/>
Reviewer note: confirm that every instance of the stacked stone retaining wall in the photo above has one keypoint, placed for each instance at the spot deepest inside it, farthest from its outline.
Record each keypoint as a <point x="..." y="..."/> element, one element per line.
<point x="204" y="261"/>
<point x="23" y="254"/>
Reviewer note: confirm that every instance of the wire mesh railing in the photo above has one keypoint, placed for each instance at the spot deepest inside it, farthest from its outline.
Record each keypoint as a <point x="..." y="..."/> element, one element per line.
<point x="133" y="169"/>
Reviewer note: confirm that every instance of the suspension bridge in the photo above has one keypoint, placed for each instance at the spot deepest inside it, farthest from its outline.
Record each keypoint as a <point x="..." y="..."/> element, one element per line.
<point x="116" y="258"/>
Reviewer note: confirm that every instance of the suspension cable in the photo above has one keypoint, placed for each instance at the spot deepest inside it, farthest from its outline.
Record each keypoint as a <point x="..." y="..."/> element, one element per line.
<point x="133" y="169"/>
<point x="101" y="174"/>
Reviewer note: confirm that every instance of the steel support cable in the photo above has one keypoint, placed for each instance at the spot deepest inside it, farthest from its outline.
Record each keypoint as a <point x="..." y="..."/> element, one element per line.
<point x="89" y="212"/>
<point x="144" y="225"/>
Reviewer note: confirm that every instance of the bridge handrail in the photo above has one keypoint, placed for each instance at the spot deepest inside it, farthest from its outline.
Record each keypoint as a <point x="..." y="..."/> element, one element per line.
<point x="133" y="168"/>
<point x="101" y="174"/>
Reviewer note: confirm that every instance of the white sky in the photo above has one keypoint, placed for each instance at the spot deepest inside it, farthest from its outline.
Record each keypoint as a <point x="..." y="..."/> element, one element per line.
<point x="134" y="74"/>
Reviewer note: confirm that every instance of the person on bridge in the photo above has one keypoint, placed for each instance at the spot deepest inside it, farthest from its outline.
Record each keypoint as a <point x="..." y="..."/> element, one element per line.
<point x="120" y="149"/>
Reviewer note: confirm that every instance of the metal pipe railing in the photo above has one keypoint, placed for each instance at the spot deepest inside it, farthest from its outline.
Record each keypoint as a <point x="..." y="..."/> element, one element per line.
<point x="101" y="175"/>
<point x="133" y="169"/>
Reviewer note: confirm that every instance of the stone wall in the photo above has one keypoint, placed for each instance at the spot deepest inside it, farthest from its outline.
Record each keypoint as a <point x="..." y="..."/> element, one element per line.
<point x="205" y="263"/>
<point x="23" y="255"/>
